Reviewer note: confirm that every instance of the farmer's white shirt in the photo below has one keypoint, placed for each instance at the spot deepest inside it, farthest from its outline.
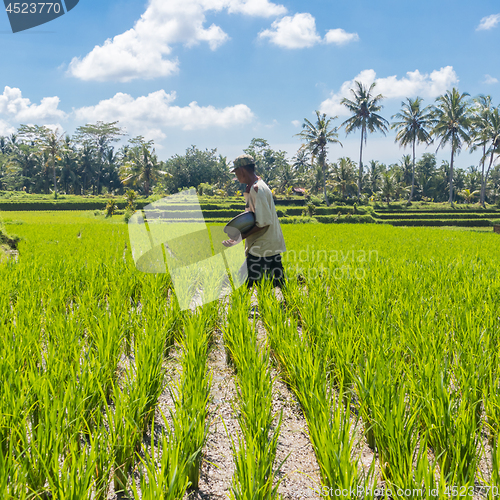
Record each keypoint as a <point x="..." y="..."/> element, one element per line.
<point x="270" y="241"/>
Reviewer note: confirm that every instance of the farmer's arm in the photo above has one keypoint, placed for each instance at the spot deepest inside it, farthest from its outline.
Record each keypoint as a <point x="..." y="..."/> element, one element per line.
<point x="254" y="230"/>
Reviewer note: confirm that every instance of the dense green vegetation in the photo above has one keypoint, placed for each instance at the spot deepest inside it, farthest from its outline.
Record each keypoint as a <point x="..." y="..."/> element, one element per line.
<point x="39" y="160"/>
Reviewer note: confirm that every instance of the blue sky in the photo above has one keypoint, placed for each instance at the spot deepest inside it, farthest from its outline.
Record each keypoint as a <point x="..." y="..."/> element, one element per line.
<point x="216" y="73"/>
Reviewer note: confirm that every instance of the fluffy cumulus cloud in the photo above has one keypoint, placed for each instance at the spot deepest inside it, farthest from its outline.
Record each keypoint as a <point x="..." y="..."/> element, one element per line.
<point x="257" y="8"/>
<point x="145" y="51"/>
<point x="340" y="37"/>
<point x="149" y="115"/>
<point x="295" y="32"/>
<point x="14" y="108"/>
<point x="490" y="80"/>
<point x="489" y="22"/>
<point x="413" y="84"/>
<point x="299" y="31"/>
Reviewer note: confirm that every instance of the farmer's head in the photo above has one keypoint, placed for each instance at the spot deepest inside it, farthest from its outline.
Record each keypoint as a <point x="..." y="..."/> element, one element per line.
<point x="244" y="168"/>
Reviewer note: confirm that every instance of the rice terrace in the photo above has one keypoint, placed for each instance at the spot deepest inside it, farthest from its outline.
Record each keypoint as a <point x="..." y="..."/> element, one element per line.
<point x="384" y="378"/>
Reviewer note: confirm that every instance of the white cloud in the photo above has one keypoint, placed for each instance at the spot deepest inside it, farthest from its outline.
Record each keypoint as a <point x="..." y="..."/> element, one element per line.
<point x="415" y="83"/>
<point x="257" y="8"/>
<point x="149" y="115"/>
<point x="296" y="123"/>
<point x="489" y="80"/>
<point x="488" y="22"/>
<point x="299" y="32"/>
<point x="145" y="51"/>
<point x="19" y="109"/>
<point x="340" y="37"/>
<point x="295" y="32"/>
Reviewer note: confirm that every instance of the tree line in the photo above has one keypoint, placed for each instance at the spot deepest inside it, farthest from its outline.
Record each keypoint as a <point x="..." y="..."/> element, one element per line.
<point x="37" y="159"/>
<point x="454" y="119"/>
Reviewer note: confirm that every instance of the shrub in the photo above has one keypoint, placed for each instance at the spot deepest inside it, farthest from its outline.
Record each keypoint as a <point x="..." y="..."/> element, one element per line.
<point x="131" y="196"/>
<point x="298" y="220"/>
<point x="440" y="222"/>
<point x="348" y="218"/>
<point x="205" y="189"/>
<point x="317" y="201"/>
<point x="111" y="208"/>
<point x="128" y="213"/>
<point x="310" y="210"/>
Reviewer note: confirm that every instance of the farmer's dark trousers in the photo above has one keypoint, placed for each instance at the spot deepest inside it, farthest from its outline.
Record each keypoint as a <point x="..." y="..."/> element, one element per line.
<point x="265" y="267"/>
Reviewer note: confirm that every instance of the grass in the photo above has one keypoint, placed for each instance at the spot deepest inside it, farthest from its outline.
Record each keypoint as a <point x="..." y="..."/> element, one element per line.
<point x="254" y="452"/>
<point x="387" y="335"/>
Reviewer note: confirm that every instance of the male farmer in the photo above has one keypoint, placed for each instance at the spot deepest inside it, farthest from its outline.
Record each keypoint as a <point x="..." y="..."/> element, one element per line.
<point x="264" y="243"/>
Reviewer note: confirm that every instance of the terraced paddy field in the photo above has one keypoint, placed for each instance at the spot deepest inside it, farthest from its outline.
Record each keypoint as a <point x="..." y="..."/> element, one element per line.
<point x="374" y="374"/>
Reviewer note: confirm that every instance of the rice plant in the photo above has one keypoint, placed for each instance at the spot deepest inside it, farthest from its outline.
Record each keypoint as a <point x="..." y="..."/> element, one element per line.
<point x="255" y="451"/>
<point x="164" y="472"/>
<point x="304" y="367"/>
<point x="190" y="422"/>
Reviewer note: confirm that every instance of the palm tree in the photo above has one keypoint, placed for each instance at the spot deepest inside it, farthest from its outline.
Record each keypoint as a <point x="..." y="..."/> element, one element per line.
<point x="25" y="158"/>
<point x="301" y="162"/>
<point x="142" y="168"/>
<point x="287" y="177"/>
<point x="485" y="135"/>
<point x="373" y="177"/>
<point x="479" y="124"/>
<point x="317" y="137"/>
<point x="388" y="186"/>
<point x="99" y="136"/>
<point x="344" y="175"/>
<point x="452" y="122"/>
<point x="468" y="195"/>
<point x="494" y="148"/>
<point x="54" y="146"/>
<point x="398" y="177"/>
<point x="405" y="164"/>
<point x="411" y="127"/>
<point x="365" y="107"/>
<point x="68" y="175"/>
<point x="85" y="166"/>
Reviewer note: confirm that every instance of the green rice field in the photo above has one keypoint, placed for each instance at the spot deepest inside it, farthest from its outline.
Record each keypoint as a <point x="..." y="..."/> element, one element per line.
<point x="386" y="338"/>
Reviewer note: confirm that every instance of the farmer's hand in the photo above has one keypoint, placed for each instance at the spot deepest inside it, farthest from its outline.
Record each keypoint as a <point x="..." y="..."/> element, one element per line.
<point x="230" y="243"/>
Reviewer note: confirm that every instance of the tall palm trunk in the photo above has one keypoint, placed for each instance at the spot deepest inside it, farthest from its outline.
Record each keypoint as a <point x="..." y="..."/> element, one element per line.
<point x="412" y="172"/>
<point x="483" y="181"/>
<point x="322" y="160"/>
<point x="360" y="162"/>
<point x="54" y="173"/>
<point x="483" y="187"/>
<point x="451" y="174"/>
